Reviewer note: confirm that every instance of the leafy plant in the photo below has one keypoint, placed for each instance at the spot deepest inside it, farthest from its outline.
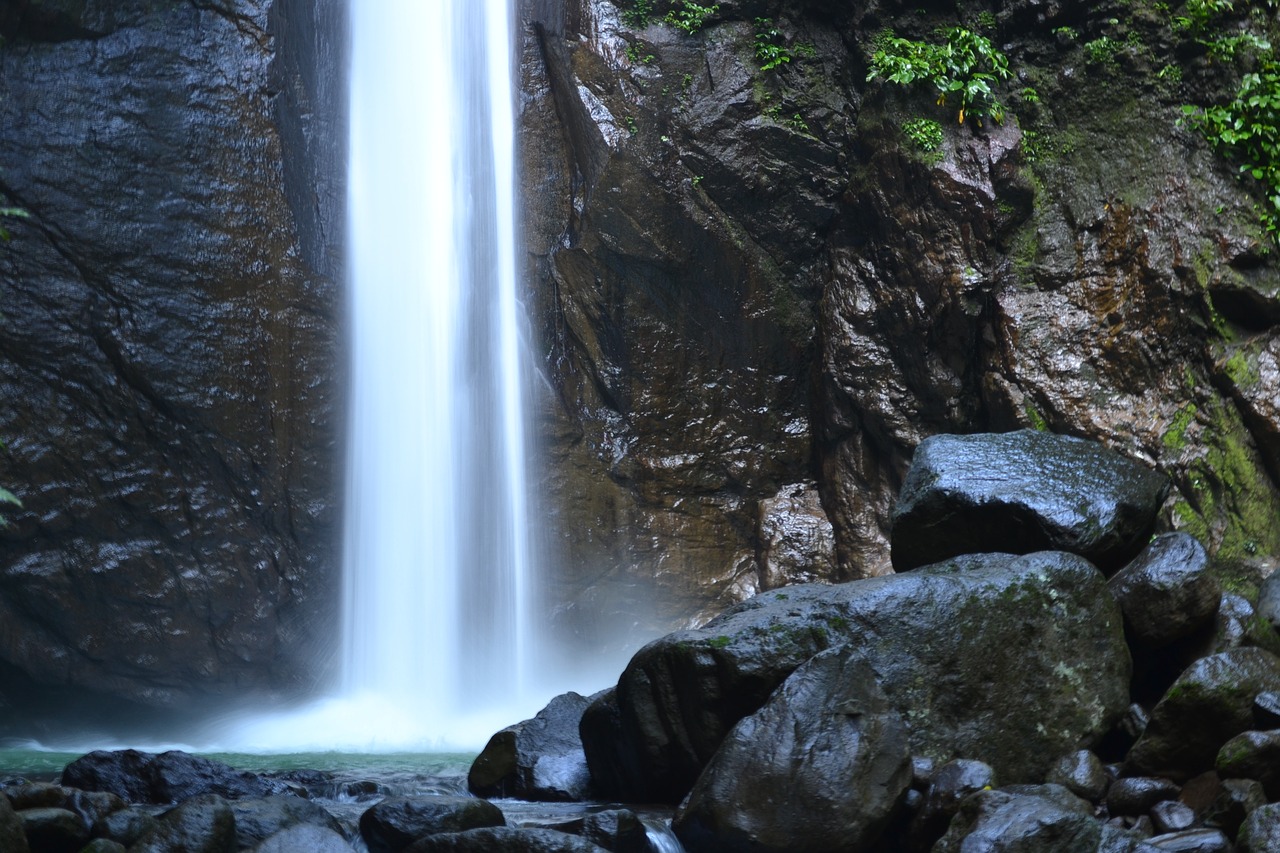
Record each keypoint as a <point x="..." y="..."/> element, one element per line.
<point x="962" y="69"/>
<point x="637" y="56"/>
<point x="770" y="50"/>
<point x="798" y="124"/>
<point x="639" y="15"/>
<point x="1103" y="50"/>
<point x="1248" y="130"/>
<point x="1068" y="33"/>
<point x="690" y="17"/>
<point x="924" y="132"/>
<point x="986" y="20"/>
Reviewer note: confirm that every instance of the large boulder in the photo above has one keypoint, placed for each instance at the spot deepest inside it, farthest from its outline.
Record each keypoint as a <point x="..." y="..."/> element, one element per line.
<point x="1010" y="660"/>
<point x="830" y="739"/>
<point x="168" y="777"/>
<point x="306" y="837"/>
<point x="1020" y="492"/>
<point x="12" y="838"/>
<point x="396" y="822"/>
<point x="538" y="759"/>
<point x="1209" y="704"/>
<point x="53" y="830"/>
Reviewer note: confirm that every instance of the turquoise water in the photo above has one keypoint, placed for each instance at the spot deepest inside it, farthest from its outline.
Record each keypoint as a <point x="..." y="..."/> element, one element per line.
<point x="46" y="765"/>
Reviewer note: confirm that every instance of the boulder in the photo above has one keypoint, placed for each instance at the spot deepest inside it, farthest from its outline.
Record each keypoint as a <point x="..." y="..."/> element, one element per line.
<point x="169" y="777"/>
<point x="12" y="838"/>
<point x="1252" y="755"/>
<point x="126" y="826"/>
<point x="257" y="820"/>
<point x="538" y="759"/>
<point x="307" y="837"/>
<point x="948" y="787"/>
<point x="1134" y="796"/>
<point x="104" y="845"/>
<point x="51" y="830"/>
<point x="203" y="824"/>
<point x="1210" y="703"/>
<point x="619" y="830"/>
<point x="504" y="840"/>
<point x="1005" y="659"/>
<point x="1235" y="801"/>
<point x="1166" y="593"/>
<point x="830" y="739"/>
<point x="1020" y="492"/>
<point x="1082" y="774"/>
<point x="1172" y="816"/>
<point x="396" y="822"/>
<point x="1260" y="832"/>
<point x="1023" y="819"/>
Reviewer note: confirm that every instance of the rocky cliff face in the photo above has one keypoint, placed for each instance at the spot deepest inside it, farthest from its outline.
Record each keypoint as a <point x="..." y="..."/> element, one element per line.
<point x="754" y="286"/>
<point x="168" y="348"/>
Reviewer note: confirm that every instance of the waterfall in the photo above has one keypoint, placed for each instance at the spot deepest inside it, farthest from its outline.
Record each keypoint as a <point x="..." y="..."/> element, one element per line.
<point x="437" y="569"/>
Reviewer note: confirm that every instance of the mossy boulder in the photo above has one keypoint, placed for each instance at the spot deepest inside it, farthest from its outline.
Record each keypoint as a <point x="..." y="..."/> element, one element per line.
<point x="1210" y="703"/>
<point x="1012" y="660"/>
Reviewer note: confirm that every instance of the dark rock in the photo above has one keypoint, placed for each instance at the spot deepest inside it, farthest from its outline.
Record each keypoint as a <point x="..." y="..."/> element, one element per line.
<point x="922" y="770"/>
<point x="1209" y="704"/>
<point x="397" y="822"/>
<point x="1260" y="832"/>
<point x="37" y="795"/>
<point x="618" y="830"/>
<point x="50" y="830"/>
<point x="1137" y="794"/>
<point x="181" y="337"/>
<point x="538" y="759"/>
<point x="1082" y="774"/>
<point x="1200" y="792"/>
<point x="125" y="826"/>
<point x="1190" y="841"/>
<point x="104" y="845"/>
<point x="170" y="777"/>
<point x="1236" y="800"/>
<point x="831" y="740"/>
<point x="931" y="635"/>
<point x="1266" y="710"/>
<point x="92" y="806"/>
<point x="1032" y="819"/>
<point x="1172" y="816"/>
<point x="1116" y="839"/>
<point x="257" y="820"/>
<point x="1021" y="492"/>
<point x="954" y="781"/>
<point x="12" y="837"/>
<point x="307" y="837"/>
<point x="203" y="824"/>
<point x="1253" y="755"/>
<point x="504" y="840"/>
<point x="1166" y="593"/>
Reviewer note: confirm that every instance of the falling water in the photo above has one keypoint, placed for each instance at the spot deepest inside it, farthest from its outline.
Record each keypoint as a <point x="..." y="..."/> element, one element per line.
<point x="437" y="563"/>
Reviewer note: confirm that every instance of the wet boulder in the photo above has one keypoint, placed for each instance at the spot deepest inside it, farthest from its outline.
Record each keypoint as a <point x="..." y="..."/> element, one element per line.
<point x="537" y="759"/>
<point x="831" y="740"/>
<point x="1253" y="755"/>
<point x="1136" y="795"/>
<point x="51" y="830"/>
<point x="169" y="777"/>
<point x="1260" y="832"/>
<point x="126" y="826"/>
<point x="257" y="820"/>
<point x="1203" y="840"/>
<point x="396" y="822"/>
<point x="948" y="787"/>
<point x="203" y="824"/>
<point x="1210" y="703"/>
<point x="1023" y="819"/>
<point x="1005" y="659"/>
<point x="1166" y="593"/>
<point x="504" y="840"/>
<point x="1082" y="774"/>
<point x="1020" y="492"/>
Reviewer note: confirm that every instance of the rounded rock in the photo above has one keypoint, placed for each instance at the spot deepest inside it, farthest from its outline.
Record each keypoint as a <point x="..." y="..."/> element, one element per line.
<point x="1136" y="795"/>
<point x="1082" y="773"/>
<point x="1260" y="832"/>
<point x="1166" y="593"/>
<point x="397" y="822"/>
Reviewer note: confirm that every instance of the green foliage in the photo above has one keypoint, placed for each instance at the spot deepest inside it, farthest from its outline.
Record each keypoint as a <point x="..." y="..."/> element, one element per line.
<point x="1068" y="33"/>
<point x="986" y="20"/>
<point x="690" y="17"/>
<point x="637" y="56"/>
<point x="1247" y="130"/>
<point x="639" y="15"/>
<point x="924" y="132"/>
<point x="12" y="213"/>
<point x="1103" y="50"/>
<point x="770" y="50"/>
<point x="962" y="68"/>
